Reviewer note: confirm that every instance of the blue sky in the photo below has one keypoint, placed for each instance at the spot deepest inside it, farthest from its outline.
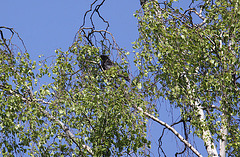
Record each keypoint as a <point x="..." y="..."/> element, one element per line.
<point x="49" y="25"/>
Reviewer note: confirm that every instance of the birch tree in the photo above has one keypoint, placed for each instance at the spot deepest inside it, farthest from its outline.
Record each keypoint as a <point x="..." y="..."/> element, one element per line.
<point x="191" y="57"/>
<point x="68" y="105"/>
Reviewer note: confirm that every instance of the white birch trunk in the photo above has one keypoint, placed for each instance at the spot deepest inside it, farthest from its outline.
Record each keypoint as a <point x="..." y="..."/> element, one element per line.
<point x="206" y="136"/>
<point x="223" y="141"/>
<point x="224" y="131"/>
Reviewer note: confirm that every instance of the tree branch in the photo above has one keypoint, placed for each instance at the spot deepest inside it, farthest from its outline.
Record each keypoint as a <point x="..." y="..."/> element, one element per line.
<point x="169" y="128"/>
<point x="48" y="115"/>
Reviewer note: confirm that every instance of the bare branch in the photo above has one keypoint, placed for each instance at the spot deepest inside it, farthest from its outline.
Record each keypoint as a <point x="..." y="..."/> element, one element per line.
<point x="12" y="31"/>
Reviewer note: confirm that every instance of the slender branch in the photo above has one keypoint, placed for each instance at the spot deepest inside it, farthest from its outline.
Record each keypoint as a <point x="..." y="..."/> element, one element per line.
<point x="12" y="31"/>
<point x="169" y="128"/>
<point x="197" y="13"/>
<point x="5" y="43"/>
<point x="84" y="17"/>
<point x="186" y="136"/>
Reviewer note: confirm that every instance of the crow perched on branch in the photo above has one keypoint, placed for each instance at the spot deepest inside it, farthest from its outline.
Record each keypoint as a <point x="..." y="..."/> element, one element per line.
<point x="106" y="64"/>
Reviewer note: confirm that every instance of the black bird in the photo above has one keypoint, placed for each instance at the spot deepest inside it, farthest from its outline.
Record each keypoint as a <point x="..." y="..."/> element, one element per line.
<point x="106" y="64"/>
<point x="142" y="2"/>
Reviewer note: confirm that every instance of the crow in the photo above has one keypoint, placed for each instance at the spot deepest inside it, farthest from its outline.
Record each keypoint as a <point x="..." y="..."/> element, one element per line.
<point x="142" y="2"/>
<point x="106" y="64"/>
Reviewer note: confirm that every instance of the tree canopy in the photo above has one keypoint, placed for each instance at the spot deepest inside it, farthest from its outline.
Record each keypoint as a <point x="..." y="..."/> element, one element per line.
<point x="189" y="56"/>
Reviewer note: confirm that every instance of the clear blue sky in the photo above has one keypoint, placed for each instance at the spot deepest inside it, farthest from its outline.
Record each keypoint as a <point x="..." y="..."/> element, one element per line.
<point x="48" y="25"/>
